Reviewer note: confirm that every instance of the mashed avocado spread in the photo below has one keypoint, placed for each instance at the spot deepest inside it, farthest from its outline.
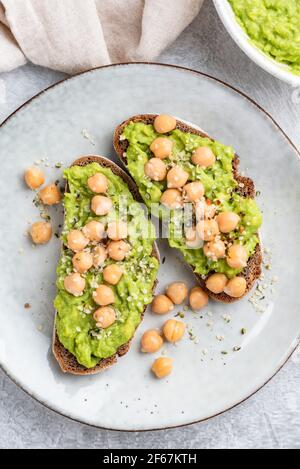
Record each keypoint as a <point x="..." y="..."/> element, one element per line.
<point x="273" y="26"/>
<point x="219" y="183"/>
<point x="75" y="326"/>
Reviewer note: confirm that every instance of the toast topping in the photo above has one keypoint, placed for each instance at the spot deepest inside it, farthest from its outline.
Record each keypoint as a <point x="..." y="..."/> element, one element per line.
<point x="221" y="234"/>
<point x="107" y="261"/>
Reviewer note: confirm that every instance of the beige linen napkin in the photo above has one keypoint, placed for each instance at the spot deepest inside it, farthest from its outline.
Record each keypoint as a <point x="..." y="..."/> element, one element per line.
<point x="76" y="35"/>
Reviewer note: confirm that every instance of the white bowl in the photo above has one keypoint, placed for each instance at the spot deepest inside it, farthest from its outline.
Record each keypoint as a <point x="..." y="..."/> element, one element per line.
<point x="237" y="33"/>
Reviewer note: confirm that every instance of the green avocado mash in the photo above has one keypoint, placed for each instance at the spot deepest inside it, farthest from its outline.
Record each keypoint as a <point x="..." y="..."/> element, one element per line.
<point x="220" y="188"/>
<point x="273" y="26"/>
<point x="75" y="325"/>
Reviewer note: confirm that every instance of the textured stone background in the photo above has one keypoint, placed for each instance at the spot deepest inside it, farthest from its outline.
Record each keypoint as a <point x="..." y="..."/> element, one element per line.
<point x="270" y="419"/>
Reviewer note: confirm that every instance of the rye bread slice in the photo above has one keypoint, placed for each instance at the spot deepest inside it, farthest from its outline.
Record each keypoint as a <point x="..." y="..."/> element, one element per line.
<point x="66" y="360"/>
<point x="245" y="188"/>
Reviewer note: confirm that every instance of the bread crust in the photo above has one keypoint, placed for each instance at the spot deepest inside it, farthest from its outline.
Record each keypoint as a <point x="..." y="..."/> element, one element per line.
<point x="66" y="360"/>
<point x="246" y="188"/>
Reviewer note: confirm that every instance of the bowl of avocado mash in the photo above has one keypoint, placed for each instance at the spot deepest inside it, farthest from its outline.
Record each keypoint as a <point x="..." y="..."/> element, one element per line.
<point x="268" y="31"/>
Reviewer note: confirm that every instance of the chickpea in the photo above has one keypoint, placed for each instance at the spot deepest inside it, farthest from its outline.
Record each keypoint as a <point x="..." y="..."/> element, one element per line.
<point x="207" y="229"/>
<point x="214" y="249"/>
<point x="216" y="283"/>
<point x="94" y="230"/>
<point x="205" y="210"/>
<point x="117" y="230"/>
<point x="41" y="232"/>
<point x="164" y="123"/>
<point x="173" y="330"/>
<point x="74" y="284"/>
<point x="177" y="292"/>
<point x="103" y="295"/>
<point x="177" y="177"/>
<point x="50" y="195"/>
<point x="172" y="199"/>
<point x="192" y="239"/>
<point x="162" y="367"/>
<point x="98" y="183"/>
<point x="99" y="256"/>
<point x="227" y="221"/>
<point x="162" y="147"/>
<point x="118" y="250"/>
<point x="203" y="157"/>
<point x="34" y="178"/>
<point x="112" y="274"/>
<point x="104" y="317"/>
<point x="77" y="241"/>
<point x="194" y="191"/>
<point x="101" y="205"/>
<point x="151" y="341"/>
<point x="236" y="287"/>
<point x="82" y="262"/>
<point x="161" y="304"/>
<point x="198" y="298"/>
<point x="237" y="256"/>
<point x="155" y="169"/>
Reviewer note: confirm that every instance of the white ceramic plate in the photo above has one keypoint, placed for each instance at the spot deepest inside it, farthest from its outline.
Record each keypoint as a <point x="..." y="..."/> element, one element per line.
<point x="205" y="382"/>
<point x="237" y="33"/>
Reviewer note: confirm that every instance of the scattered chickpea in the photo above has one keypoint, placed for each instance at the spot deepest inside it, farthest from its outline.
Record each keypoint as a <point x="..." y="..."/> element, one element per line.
<point x="98" y="183"/>
<point x="94" y="230"/>
<point x="117" y="230"/>
<point x="205" y="210"/>
<point x="104" y="317"/>
<point x="101" y="205"/>
<point x="198" y="298"/>
<point x="103" y="295"/>
<point x="207" y="229"/>
<point x="164" y="123"/>
<point x="236" y="287"/>
<point x="76" y="240"/>
<point x="214" y="249"/>
<point x="227" y="221"/>
<point x="172" y="199"/>
<point x="192" y="239"/>
<point x="50" y="195"/>
<point x="41" y="232"/>
<point x="156" y="169"/>
<point x="237" y="256"/>
<point x="151" y="341"/>
<point x="177" y="177"/>
<point x="162" y="367"/>
<point x="118" y="250"/>
<point x="194" y="191"/>
<point x="82" y="262"/>
<point x="34" y="178"/>
<point x="162" y="147"/>
<point x="177" y="292"/>
<point x="74" y="284"/>
<point x="203" y="157"/>
<point x="216" y="283"/>
<point x="161" y="304"/>
<point x="112" y="274"/>
<point x="99" y="256"/>
<point x="173" y="330"/>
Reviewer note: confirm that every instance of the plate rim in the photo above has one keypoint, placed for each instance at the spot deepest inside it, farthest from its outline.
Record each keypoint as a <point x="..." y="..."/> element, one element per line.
<point x="292" y="347"/>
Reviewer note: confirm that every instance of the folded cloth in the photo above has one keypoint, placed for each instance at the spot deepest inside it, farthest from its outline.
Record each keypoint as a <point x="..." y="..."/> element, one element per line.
<point x="76" y="35"/>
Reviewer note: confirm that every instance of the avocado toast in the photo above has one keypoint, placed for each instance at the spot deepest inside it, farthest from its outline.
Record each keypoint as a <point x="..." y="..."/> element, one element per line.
<point x="224" y="188"/>
<point x="82" y="345"/>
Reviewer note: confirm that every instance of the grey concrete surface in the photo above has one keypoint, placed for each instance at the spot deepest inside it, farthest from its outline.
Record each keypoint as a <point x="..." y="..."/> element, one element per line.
<point x="271" y="418"/>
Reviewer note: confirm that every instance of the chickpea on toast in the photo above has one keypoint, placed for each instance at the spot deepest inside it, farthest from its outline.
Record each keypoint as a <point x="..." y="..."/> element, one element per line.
<point x="80" y="345"/>
<point x="148" y="137"/>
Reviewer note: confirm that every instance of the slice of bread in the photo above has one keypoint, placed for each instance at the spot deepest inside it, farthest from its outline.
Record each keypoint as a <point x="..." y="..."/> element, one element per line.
<point x="65" y="359"/>
<point x="246" y="188"/>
